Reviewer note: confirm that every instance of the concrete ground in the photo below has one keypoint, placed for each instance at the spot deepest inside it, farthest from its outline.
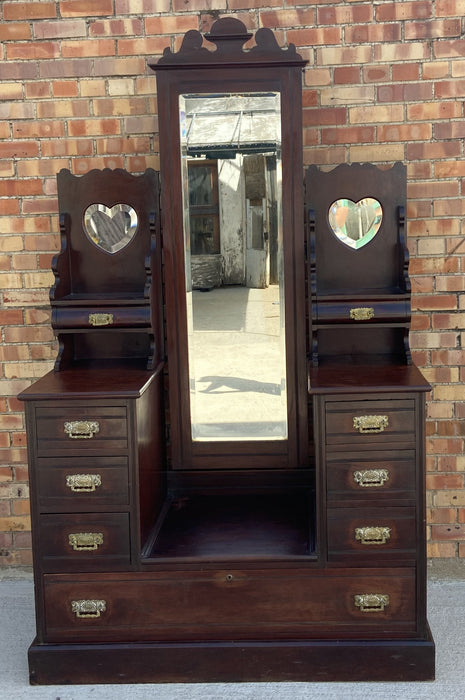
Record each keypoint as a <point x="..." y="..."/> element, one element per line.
<point x="446" y="597"/>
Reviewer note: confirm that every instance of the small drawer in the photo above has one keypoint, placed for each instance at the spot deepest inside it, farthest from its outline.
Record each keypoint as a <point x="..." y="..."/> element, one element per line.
<point x="231" y="604"/>
<point x="371" y="533"/>
<point x="366" y="312"/>
<point x="381" y="474"/>
<point x="84" y="541"/>
<point x="370" y="422"/>
<point x="71" y="428"/>
<point x="101" y="318"/>
<point x="75" y="483"/>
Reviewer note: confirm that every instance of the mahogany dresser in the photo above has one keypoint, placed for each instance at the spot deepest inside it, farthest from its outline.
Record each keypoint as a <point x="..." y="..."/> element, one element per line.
<point x="227" y="479"/>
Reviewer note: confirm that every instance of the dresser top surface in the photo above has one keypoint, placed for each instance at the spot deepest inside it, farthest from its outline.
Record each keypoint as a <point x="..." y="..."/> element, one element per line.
<point x="92" y="382"/>
<point x="345" y="378"/>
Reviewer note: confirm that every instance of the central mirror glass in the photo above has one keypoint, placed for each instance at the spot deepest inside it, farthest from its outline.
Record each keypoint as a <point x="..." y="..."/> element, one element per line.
<point x="232" y="184"/>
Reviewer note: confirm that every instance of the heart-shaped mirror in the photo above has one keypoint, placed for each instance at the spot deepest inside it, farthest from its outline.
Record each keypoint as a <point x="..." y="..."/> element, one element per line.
<point x="110" y="229"/>
<point x="355" y="223"/>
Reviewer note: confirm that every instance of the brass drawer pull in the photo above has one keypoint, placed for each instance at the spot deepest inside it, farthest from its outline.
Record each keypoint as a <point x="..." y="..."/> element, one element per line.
<point x="363" y="313"/>
<point x="370" y="424"/>
<point x="372" y="535"/>
<point x="81" y="429"/>
<point x="100" y="319"/>
<point x="368" y="478"/>
<point x="83" y="483"/>
<point x="371" y="602"/>
<point x="85" y="541"/>
<point x="88" y="608"/>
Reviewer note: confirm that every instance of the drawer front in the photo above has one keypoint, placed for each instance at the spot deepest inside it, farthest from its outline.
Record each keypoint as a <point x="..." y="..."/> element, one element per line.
<point x="367" y="312"/>
<point x="371" y="533"/>
<point x="103" y="317"/>
<point x="381" y="474"/>
<point x="79" y="429"/>
<point x="75" y="483"/>
<point x="84" y="541"/>
<point x="370" y="422"/>
<point x="231" y="605"/>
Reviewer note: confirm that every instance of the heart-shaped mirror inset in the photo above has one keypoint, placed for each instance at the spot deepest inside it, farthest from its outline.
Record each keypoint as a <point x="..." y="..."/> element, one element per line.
<point x="112" y="229"/>
<point x="355" y="223"/>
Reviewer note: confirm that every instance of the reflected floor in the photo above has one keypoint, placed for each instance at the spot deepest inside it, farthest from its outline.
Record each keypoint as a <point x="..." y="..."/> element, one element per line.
<point x="237" y="364"/>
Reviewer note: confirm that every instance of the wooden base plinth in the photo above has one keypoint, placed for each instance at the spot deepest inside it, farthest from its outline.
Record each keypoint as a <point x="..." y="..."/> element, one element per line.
<point x="313" y="660"/>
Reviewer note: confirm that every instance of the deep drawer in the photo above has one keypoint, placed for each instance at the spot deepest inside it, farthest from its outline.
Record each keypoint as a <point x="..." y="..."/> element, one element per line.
<point x="84" y="541"/>
<point x="71" y="428"/>
<point x="371" y="533"/>
<point x="75" y="483"/>
<point x="231" y="604"/>
<point x="370" y="422"/>
<point x="381" y="474"/>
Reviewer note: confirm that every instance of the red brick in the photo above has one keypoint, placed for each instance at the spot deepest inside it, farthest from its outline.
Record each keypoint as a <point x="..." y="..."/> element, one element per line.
<point x="167" y="25"/>
<point x="38" y="129"/>
<point x="15" y="32"/>
<point x="89" y="47"/>
<point x="64" y="88"/>
<point x="407" y="92"/>
<point x="344" y="14"/>
<point x="29" y="10"/>
<point x="33" y="51"/>
<point x="404" y="10"/>
<point x="450" y="130"/>
<point x="22" y="70"/>
<point x="450" y="88"/>
<point x="433" y="30"/>
<point x="319" y="36"/>
<point x="371" y="33"/>
<point x="444" y="481"/>
<point x="94" y="127"/>
<point x="404" y="132"/>
<point x="433" y="110"/>
<point x="449" y="8"/>
<point x="354" y="134"/>
<point x="66" y="68"/>
<point x="116" y="27"/>
<point x="431" y="151"/>
<point x="86" y="8"/>
<point x="405" y="71"/>
<point x="346" y="75"/>
<point x="119" y="66"/>
<point x="320" y="117"/>
<point x="448" y="532"/>
<point x="20" y="188"/>
<point x="38" y="89"/>
<point x="144" y="7"/>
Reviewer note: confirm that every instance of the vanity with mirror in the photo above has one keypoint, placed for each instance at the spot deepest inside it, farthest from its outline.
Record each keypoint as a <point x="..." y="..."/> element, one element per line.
<point x="227" y="461"/>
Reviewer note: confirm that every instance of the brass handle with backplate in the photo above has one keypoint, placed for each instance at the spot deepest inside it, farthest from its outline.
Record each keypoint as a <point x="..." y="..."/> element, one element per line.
<point x="85" y="541"/>
<point x="83" y="483"/>
<point x="367" y="478"/>
<point x="81" y="429"/>
<point x="88" y="608"/>
<point x="370" y="424"/>
<point x="372" y="534"/>
<point x="371" y="602"/>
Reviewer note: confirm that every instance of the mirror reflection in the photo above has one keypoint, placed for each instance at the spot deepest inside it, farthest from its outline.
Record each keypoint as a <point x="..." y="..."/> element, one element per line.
<point x="231" y="165"/>
<point x="110" y="229"/>
<point x="355" y="223"/>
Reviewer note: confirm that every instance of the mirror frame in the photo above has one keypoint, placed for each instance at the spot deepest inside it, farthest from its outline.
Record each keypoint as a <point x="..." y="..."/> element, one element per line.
<point x="231" y="68"/>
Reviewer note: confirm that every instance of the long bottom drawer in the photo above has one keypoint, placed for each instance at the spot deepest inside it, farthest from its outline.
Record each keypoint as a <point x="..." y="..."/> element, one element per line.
<point x="231" y="604"/>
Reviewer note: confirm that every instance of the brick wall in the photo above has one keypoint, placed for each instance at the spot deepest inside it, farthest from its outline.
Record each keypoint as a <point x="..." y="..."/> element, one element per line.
<point x="385" y="82"/>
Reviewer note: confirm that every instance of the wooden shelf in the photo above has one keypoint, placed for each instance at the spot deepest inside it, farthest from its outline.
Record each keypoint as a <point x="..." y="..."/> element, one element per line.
<point x="231" y="527"/>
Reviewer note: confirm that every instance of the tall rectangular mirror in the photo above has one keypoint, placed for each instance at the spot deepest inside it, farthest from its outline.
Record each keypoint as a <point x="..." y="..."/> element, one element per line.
<point x="233" y="246"/>
<point x="232" y="203"/>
